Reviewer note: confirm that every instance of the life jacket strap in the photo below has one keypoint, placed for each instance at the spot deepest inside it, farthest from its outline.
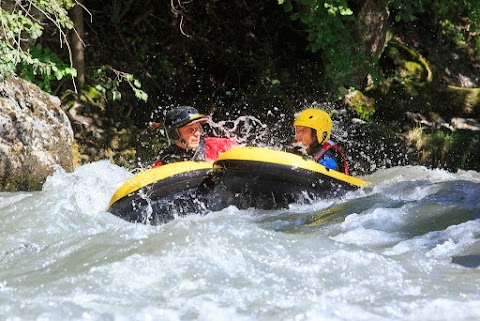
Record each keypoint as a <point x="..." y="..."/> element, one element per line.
<point x="329" y="145"/>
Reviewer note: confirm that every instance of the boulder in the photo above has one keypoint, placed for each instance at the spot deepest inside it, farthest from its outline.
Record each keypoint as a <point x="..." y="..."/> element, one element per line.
<point x="35" y="134"/>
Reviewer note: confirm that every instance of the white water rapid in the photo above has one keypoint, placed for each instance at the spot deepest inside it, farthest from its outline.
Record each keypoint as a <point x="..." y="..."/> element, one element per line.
<point x="406" y="248"/>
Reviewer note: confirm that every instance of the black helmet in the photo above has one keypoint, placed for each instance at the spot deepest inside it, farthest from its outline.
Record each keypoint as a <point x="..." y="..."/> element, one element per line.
<point x="179" y="117"/>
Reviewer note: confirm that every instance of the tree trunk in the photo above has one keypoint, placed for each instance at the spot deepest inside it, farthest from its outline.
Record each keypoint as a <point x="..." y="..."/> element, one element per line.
<point x="77" y="43"/>
<point x="373" y="16"/>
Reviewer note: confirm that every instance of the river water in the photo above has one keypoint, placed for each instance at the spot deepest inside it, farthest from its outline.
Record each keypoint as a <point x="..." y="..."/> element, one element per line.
<point x="405" y="248"/>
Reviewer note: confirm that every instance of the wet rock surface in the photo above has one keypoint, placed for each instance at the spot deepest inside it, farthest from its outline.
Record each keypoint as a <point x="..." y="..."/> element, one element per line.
<point x="35" y="134"/>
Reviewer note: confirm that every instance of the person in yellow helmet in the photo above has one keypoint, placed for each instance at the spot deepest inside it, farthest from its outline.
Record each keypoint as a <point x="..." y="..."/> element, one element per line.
<point x="313" y="128"/>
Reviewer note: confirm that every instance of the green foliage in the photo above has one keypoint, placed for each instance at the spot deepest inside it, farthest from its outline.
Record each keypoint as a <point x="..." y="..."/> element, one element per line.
<point x="474" y="15"/>
<point x="452" y="14"/>
<point x="272" y="82"/>
<point x="406" y="11"/>
<point x="453" y="33"/>
<point x="19" y="22"/>
<point x="8" y="59"/>
<point x="104" y="87"/>
<point x="457" y="149"/>
<point x="22" y="25"/>
<point x="43" y="66"/>
<point x="107" y="80"/>
<point x="476" y="45"/>
<point x="330" y="26"/>
<point x="447" y="13"/>
<point x="87" y="95"/>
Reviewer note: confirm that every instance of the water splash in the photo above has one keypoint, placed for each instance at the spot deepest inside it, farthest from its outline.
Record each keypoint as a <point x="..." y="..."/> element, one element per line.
<point x="367" y="148"/>
<point x="247" y="130"/>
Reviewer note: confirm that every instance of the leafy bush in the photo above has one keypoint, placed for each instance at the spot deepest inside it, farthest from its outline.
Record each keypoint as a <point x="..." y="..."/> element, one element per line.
<point x="44" y="67"/>
<point x="22" y="26"/>
<point x="332" y="29"/>
<point x="329" y="26"/>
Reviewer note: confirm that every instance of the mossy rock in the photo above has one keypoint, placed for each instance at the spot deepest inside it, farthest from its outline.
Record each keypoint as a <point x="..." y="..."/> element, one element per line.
<point x="413" y="85"/>
<point x="413" y="70"/>
<point x="362" y="105"/>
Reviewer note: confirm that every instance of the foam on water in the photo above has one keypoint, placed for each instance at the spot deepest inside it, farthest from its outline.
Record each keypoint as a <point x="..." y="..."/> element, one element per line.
<point x="381" y="253"/>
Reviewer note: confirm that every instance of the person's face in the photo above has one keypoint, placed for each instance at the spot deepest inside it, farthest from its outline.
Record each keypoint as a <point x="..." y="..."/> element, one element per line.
<point x="304" y="135"/>
<point x="190" y="136"/>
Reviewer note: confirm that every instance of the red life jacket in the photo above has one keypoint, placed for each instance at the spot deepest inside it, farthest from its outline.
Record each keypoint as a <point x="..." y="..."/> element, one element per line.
<point x="214" y="146"/>
<point x="329" y="145"/>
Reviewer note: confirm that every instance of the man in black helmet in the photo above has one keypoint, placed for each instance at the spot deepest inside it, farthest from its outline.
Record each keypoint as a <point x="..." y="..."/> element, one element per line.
<point x="183" y="126"/>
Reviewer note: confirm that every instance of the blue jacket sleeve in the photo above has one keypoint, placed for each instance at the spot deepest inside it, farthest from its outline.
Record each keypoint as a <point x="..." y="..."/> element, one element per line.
<point x="329" y="162"/>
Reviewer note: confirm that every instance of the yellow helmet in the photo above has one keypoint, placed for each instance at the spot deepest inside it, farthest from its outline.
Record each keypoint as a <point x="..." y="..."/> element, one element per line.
<point x="316" y="119"/>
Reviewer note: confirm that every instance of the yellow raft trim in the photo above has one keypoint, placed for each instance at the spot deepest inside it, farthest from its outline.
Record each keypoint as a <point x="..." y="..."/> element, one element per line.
<point x="155" y="174"/>
<point x="265" y="155"/>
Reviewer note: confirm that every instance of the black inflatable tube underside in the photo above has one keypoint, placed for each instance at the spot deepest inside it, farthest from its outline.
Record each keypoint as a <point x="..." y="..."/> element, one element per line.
<point x="232" y="182"/>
